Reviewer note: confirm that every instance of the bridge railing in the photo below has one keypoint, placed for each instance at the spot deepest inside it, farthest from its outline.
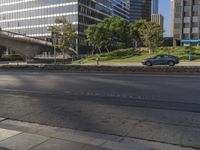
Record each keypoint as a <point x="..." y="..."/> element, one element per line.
<point x="23" y="37"/>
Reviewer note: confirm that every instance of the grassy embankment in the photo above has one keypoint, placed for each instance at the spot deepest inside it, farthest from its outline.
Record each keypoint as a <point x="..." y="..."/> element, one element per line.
<point x="131" y="55"/>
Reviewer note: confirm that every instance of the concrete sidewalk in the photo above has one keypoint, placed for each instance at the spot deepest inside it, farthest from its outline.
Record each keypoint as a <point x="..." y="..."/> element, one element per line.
<point x="16" y="135"/>
<point x="140" y="64"/>
<point x="101" y="63"/>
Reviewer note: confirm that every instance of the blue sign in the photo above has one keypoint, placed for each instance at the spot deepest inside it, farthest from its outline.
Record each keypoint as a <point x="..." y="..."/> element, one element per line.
<point x="190" y="41"/>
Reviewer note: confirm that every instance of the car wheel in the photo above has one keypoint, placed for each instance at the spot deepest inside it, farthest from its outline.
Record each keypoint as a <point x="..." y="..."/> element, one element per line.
<point x="171" y="63"/>
<point x="148" y="63"/>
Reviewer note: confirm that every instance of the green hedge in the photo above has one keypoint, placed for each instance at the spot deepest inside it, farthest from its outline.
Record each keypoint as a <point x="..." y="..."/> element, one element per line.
<point x="11" y="57"/>
<point x="49" y="61"/>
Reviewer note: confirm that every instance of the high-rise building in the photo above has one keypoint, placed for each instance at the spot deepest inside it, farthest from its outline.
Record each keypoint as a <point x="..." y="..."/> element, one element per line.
<point x="172" y="18"/>
<point x="33" y="17"/>
<point x="140" y="9"/>
<point x="155" y="4"/>
<point x="187" y="22"/>
<point x="158" y="19"/>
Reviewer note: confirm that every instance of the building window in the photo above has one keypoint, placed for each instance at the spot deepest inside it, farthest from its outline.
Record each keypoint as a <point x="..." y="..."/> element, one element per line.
<point x="177" y="36"/>
<point x="195" y="24"/>
<point x="186" y="25"/>
<point x="186" y="36"/>
<point x="195" y="36"/>
<point x="196" y="2"/>
<point x="187" y="2"/>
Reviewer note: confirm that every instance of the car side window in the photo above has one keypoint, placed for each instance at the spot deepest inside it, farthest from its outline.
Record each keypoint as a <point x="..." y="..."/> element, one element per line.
<point x="157" y="57"/>
<point x="166" y="56"/>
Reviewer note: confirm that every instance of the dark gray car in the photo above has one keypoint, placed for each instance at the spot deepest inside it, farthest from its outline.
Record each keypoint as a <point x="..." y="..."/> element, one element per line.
<point x="161" y="60"/>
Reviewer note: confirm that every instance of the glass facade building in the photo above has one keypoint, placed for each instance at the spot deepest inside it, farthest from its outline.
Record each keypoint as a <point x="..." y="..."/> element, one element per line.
<point x="140" y="9"/>
<point x="187" y="22"/>
<point x="155" y="4"/>
<point x="33" y="17"/>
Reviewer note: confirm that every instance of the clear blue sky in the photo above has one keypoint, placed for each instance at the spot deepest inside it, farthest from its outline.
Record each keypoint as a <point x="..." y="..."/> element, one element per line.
<point x="164" y="9"/>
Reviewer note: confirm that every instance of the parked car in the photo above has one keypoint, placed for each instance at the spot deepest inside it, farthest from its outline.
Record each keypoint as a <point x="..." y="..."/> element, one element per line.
<point x="161" y="60"/>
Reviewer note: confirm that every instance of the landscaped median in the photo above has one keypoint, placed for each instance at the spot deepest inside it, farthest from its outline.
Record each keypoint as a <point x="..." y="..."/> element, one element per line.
<point x="103" y="68"/>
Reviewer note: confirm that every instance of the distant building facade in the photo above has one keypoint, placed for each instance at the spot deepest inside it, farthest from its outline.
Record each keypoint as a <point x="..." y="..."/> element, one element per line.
<point x="33" y="17"/>
<point x="155" y="6"/>
<point x="187" y="22"/>
<point x="172" y="4"/>
<point x="140" y="9"/>
<point x="158" y="19"/>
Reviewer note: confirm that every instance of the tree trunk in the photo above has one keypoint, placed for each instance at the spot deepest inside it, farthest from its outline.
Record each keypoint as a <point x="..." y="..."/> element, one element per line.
<point x="63" y="56"/>
<point x="136" y="44"/>
<point x="107" y="50"/>
<point x="150" y="51"/>
<point x="99" y="50"/>
<point x="92" y="50"/>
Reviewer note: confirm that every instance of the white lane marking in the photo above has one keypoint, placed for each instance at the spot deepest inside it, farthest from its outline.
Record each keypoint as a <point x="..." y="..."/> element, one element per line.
<point x="24" y="91"/>
<point x="12" y="95"/>
<point x="68" y="92"/>
<point x="111" y="95"/>
<point x="27" y="91"/>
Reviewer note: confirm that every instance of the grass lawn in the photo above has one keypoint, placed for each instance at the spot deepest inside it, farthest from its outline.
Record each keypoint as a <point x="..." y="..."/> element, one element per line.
<point x="130" y="55"/>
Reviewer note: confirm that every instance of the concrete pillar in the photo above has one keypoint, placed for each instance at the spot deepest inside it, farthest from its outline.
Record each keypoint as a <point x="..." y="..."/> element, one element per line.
<point x="77" y="47"/>
<point x="7" y="51"/>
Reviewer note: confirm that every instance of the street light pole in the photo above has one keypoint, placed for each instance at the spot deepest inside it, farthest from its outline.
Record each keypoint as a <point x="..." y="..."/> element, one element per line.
<point x="54" y="41"/>
<point x="54" y="55"/>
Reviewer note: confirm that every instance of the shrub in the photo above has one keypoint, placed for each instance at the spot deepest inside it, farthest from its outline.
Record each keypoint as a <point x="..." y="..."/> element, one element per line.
<point x="12" y="57"/>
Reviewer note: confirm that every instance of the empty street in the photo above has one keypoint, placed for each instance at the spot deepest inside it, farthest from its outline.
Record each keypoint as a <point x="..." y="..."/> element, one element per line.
<point x="155" y="107"/>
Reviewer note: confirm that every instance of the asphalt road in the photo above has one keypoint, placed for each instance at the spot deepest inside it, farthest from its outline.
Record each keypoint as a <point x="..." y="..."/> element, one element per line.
<point x="163" y="108"/>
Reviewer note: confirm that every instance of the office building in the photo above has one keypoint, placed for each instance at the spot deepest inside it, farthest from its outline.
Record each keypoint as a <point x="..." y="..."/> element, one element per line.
<point x="158" y="19"/>
<point x="187" y="22"/>
<point x="140" y="9"/>
<point x="154" y="6"/>
<point x="172" y="18"/>
<point x="33" y="17"/>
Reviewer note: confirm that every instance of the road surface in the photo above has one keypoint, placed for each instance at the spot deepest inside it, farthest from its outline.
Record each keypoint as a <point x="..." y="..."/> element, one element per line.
<point x="155" y="107"/>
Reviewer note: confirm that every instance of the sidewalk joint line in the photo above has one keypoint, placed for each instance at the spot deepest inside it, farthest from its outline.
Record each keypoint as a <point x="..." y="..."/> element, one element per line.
<point x="3" y="119"/>
<point x="12" y="136"/>
<point x="39" y="143"/>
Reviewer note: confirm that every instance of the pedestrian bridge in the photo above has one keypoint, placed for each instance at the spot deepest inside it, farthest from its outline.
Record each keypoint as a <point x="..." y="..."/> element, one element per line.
<point x="27" y="46"/>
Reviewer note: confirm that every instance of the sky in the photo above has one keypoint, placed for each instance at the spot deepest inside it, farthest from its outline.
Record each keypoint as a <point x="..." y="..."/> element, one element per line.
<point x="164" y="9"/>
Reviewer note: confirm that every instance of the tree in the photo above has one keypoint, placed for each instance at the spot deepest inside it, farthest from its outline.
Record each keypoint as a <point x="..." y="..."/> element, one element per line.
<point x="96" y="36"/>
<point x="134" y="32"/>
<point x="65" y="34"/>
<point x="118" y="32"/>
<point x="112" y="33"/>
<point x="151" y="35"/>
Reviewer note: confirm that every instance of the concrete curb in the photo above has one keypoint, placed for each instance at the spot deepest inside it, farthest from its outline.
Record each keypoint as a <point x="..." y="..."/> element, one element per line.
<point x="94" y="68"/>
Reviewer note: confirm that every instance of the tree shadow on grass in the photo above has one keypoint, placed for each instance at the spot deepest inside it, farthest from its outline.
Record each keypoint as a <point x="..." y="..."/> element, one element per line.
<point x="193" y="58"/>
